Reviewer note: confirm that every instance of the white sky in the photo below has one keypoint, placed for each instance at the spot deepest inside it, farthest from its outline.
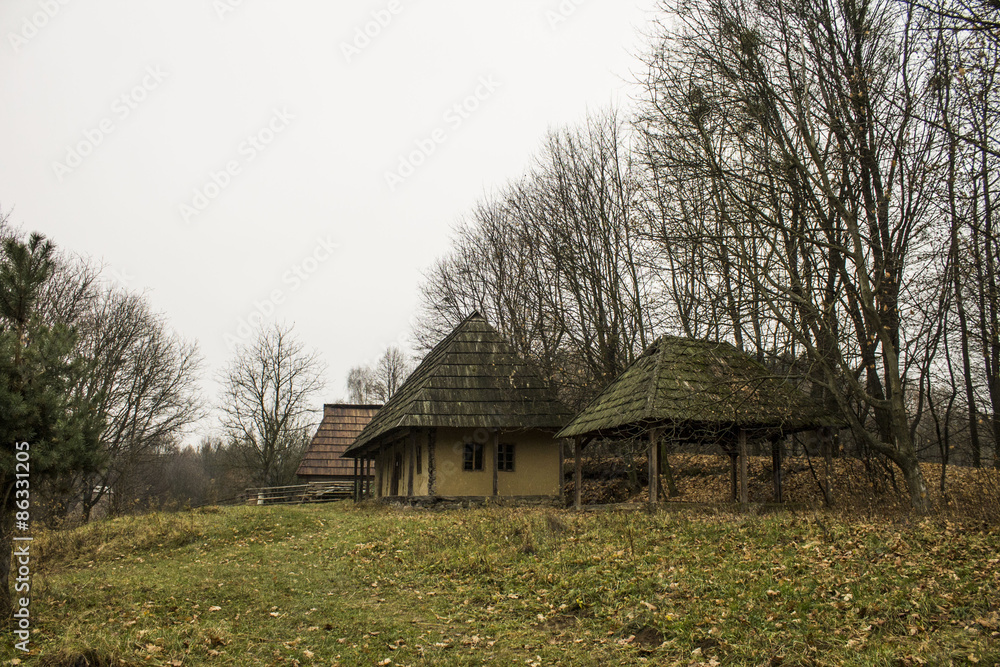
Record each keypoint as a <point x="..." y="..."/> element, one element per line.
<point x="161" y="95"/>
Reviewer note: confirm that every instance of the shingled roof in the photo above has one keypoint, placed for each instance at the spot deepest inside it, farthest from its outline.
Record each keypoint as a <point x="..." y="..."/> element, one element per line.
<point x="472" y="378"/>
<point x="696" y="384"/>
<point x="340" y="426"/>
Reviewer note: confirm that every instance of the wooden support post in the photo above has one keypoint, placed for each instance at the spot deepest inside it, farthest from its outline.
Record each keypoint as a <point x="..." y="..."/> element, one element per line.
<point x="379" y="463"/>
<point x="431" y="458"/>
<point x="577" y="473"/>
<point x="776" y="468"/>
<point x="826" y="436"/>
<point x="412" y="446"/>
<point x="744" y="488"/>
<point x="668" y="472"/>
<point x="356" y="481"/>
<point x="654" y="468"/>
<point x="496" y="456"/>
<point x="562" y="475"/>
<point x="733" y="478"/>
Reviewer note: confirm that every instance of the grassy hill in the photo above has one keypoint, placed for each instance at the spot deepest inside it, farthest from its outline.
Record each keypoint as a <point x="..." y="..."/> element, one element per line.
<point x="347" y="585"/>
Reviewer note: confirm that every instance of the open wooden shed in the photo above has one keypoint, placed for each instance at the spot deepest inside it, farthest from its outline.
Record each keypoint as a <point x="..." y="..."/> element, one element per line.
<point x="696" y="391"/>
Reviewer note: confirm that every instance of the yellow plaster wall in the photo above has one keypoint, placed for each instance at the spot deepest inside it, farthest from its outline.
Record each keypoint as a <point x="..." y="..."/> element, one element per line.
<point x="536" y="464"/>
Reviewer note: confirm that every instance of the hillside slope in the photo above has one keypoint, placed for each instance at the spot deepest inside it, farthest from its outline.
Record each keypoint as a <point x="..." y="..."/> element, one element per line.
<point x="343" y="585"/>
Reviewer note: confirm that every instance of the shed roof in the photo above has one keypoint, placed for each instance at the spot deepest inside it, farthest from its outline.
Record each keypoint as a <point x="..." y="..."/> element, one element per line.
<point x="697" y="384"/>
<point x="472" y="378"/>
<point x="340" y="426"/>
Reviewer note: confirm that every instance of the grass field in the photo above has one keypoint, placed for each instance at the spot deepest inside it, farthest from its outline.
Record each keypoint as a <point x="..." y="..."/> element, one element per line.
<point x="340" y="584"/>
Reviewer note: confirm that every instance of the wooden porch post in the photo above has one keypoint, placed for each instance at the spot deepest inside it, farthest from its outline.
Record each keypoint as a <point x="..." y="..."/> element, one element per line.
<point x="357" y="481"/>
<point x="496" y="455"/>
<point x="577" y="472"/>
<point x="378" y="471"/>
<point x="744" y="489"/>
<point x="413" y="461"/>
<point x="431" y="457"/>
<point x="654" y="468"/>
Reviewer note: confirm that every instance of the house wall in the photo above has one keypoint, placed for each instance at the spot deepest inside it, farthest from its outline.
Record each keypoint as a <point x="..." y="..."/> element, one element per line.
<point x="537" y="465"/>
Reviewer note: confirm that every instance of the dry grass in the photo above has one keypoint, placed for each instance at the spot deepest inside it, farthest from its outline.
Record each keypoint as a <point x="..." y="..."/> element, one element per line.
<point x="340" y="585"/>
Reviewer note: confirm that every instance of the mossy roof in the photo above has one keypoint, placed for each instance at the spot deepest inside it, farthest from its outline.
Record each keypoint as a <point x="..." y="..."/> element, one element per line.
<point x="696" y="384"/>
<point x="472" y="378"/>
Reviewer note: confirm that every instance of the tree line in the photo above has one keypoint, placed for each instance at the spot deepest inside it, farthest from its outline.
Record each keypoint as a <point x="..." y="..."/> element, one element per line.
<point x="815" y="182"/>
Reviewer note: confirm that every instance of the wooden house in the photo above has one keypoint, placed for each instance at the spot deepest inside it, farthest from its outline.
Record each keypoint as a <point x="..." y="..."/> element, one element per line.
<point x="324" y="460"/>
<point x="472" y="422"/>
<point x="697" y="391"/>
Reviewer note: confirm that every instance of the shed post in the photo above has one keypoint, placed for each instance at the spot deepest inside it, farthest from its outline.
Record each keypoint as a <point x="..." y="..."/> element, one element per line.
<point x="654" y="467"/>
<point x="826" y="439"/>
<point x="562" y="477"/>
<point x="733" y="478"/>
<point x="577" y="472"/>
<point x="776" y="467"/>
<point x="378" y="472"/>
<point x="744" y="490"/>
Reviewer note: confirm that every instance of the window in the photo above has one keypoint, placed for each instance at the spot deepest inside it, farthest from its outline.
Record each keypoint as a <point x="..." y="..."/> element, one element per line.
<point x="473" y="457"/>
<point x="420" y="459"/>
<point x="505" y="457"/>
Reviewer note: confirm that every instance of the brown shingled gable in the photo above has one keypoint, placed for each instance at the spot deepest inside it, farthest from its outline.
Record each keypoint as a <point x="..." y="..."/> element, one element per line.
<point x="340" y="426"/>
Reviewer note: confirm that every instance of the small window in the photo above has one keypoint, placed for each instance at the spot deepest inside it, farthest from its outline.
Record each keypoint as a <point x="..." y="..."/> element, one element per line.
<point x="505" y="457"/>
<point x="420" y="459"/>
<point x="473" y="458"/>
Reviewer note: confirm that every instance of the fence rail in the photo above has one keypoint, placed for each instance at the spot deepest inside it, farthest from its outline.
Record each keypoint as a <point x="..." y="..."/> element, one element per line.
<point x="315" y="492"/>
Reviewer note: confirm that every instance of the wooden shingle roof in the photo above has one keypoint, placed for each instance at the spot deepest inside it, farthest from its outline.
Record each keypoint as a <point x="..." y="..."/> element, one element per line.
<point x="696" y="384"/>
<point x="472" y="378"/>
<point x="340" y="426"/>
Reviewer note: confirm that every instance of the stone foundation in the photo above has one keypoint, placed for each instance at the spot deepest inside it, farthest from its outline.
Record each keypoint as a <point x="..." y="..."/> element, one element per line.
<point x="463" y="502"/>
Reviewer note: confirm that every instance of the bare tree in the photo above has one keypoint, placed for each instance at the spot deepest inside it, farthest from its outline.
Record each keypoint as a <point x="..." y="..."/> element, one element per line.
<point x="377" y="384"/>
<point x="268" y="389"/>
<point x="801" y="121"/>
<point x="556" y="262"/>
<point x="141" y="379"/>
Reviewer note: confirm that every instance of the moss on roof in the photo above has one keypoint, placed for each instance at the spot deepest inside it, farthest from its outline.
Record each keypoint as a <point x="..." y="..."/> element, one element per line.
<point x="699" y="384"/>
<point x="472" y="378"/>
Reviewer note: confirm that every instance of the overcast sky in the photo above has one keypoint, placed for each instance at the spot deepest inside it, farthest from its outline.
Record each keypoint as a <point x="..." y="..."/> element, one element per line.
<point x="302" y="160"/>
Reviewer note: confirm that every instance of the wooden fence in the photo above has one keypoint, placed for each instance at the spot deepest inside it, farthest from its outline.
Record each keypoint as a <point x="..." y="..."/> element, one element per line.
<point x="315" y="492"/>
